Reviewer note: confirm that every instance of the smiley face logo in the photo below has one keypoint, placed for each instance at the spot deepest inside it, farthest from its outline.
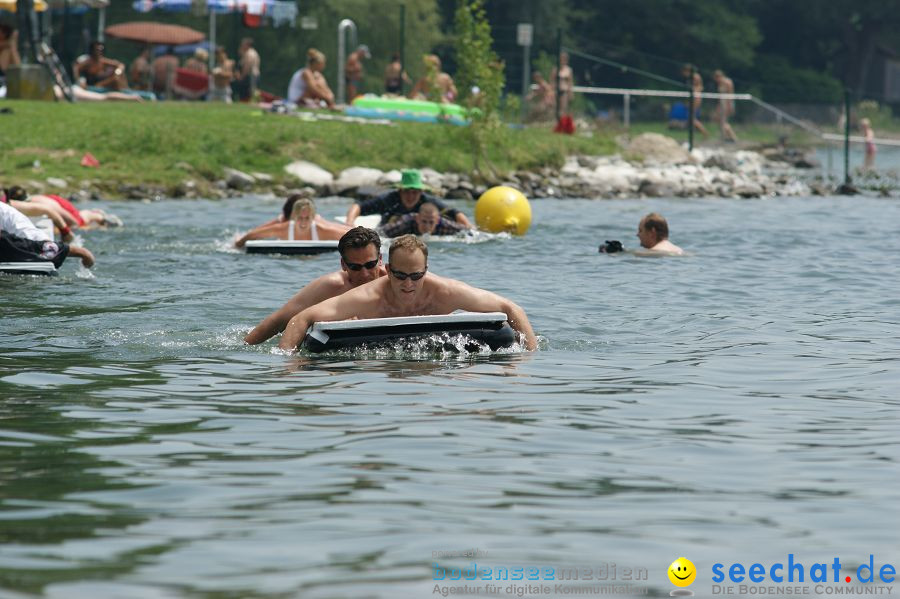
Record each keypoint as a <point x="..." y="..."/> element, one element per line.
<point x="682" y="572"/>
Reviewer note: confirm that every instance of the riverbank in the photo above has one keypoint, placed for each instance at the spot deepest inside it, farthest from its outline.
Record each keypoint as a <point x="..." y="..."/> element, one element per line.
<point x="190" y="150"/>
<point x="183" y="149"/>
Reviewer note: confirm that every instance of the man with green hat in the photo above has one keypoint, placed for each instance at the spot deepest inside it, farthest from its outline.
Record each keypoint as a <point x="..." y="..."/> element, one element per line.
<point x="407" y="199"/>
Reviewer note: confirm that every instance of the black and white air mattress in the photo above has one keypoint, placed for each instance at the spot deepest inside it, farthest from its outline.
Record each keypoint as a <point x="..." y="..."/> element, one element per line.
<point x="489" y="328"/>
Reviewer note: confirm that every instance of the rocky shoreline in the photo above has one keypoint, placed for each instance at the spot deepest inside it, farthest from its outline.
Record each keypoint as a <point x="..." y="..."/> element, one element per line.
<point x="650" y="165"/>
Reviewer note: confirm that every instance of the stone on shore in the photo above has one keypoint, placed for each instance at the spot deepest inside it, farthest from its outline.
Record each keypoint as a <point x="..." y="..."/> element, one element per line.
<point x="309" y="173"/>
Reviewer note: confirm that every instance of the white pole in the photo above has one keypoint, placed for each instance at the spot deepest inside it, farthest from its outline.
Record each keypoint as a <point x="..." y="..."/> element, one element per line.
<point x="342" y="56"/>
<point x="101" y="24"/>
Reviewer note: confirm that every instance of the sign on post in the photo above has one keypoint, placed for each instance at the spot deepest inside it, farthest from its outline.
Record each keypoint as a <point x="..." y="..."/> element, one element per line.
<point x="524" y="33"/>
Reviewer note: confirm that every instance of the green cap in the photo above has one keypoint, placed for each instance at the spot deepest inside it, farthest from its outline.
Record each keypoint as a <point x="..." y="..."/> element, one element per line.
<point x="411" y="178"/>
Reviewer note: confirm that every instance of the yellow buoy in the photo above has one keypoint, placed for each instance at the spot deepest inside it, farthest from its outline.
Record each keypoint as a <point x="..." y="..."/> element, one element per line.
<point x="503" y="209"/>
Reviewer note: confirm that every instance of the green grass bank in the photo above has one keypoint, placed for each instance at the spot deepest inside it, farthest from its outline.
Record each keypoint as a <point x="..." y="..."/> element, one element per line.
<point x="163" y="144"/>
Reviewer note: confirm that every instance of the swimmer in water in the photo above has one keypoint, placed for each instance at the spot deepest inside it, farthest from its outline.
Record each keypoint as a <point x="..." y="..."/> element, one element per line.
<point x="653" y="233"/>
<point x="408" y="290"/>
<point x="302" y="226"/>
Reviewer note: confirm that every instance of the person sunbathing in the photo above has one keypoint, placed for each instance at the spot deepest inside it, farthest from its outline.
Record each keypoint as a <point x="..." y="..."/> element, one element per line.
<point x="302" y="226"/>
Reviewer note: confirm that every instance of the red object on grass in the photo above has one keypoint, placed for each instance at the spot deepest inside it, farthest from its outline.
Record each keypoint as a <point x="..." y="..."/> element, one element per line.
<point x="89" y="160"/>
<point x="565" y="125"/>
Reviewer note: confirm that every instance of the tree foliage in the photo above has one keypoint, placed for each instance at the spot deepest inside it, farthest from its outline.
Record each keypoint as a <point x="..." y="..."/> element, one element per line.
<point x="479" y="75"/>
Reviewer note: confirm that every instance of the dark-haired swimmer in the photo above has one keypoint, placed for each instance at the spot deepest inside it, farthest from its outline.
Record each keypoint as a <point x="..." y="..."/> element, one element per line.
<point x="408" y="290"/>
<point x="360" y="250"/>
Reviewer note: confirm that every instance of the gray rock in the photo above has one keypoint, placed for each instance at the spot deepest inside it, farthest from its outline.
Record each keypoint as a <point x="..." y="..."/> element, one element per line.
<point x="357" y="176"/>
<point x="82" y="195"/>
<point x="726" y="162"/>
<point x="57" y="182"/>
<point x="459" y="193"/>
<point x="262" y="177"/>
<point x="367" y="192"/>
<point x="748" y="189"/>
<point x="309" y="173"/>
<point x="236" y="179"/>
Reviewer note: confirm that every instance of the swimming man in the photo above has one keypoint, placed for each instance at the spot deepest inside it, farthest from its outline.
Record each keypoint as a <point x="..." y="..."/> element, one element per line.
<point x="653" y="231"/>
<point x="360" y="250"/>
<point x="408" y="290"/>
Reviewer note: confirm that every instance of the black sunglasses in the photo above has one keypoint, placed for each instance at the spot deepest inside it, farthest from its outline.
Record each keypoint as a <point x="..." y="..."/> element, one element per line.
<point x="415" y="276"/>
<point x="367" y="265"/>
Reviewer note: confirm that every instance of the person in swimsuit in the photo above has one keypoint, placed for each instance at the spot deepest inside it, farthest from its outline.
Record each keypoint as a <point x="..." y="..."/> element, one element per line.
<point x="697" y="84"/>
<point x="360" y="250"/>
<point x="408" y="290"/>
<point x="99" y="71"/>
<point x="61" y="211"/>
<point x="353" y="71"/>
<point x="223" y="73"/>
<point x="302" y="226"/>
<point x="869" y="133"/>
<point x="308" y="86"/>
<point x="566" y="81"/>
<point x="725" y="109"/>
<point x="9" y="48"/>
<point x="395" y="76"/>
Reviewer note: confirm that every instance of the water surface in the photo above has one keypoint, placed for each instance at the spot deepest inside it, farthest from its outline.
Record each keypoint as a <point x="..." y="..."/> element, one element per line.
<point x="738" y="404"/>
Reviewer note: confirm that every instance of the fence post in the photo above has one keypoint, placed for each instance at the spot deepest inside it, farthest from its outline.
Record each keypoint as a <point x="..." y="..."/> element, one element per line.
<point x="558" y="70"/>
<point x="690" y="120"/>
<point x="847" y="137"/>
<point x="402" y="48"/>
<point x="626" y="110"/>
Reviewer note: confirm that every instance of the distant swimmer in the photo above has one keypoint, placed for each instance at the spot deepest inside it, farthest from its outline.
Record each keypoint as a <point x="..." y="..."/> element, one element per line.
<point x="427" y="221"/>
<point x="302" y="225"/>
<point x="653" y="232"/>
<point x="360" y="250"/>
<point x="406" y="200"/>
<point x="408" y="290"/>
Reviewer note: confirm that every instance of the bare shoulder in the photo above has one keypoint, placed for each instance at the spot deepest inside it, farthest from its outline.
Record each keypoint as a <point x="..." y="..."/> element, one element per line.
<point x="334" y="281"/>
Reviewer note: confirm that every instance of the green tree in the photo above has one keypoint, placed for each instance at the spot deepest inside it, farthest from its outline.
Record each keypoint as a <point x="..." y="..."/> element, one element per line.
<point x="479" y="75"/>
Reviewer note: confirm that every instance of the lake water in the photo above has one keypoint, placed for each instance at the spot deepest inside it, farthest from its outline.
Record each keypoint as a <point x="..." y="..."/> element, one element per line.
<point x="735" y="405"/>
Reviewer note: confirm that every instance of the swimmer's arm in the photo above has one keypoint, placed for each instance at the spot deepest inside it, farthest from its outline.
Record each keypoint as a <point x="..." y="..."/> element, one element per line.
<point x="469" y="298"/>
<point x="352" y="214"/>
<point x="29" y="209"/>
<point x="87" y="258"/>
<point x="317" y="291"/>
<point x="327" y="311"/>
<point x="258" y="233"/>
<point x="463" y="220"/>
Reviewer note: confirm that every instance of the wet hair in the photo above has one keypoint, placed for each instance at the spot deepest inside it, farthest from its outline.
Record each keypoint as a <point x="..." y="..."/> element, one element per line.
<point x="314" y="56"/>
<point x="95" y="45"/>
<point x="16" y="192"/>
<point x="409" y="243"/>
<point x="429" y="207"/>
<point x="395" y="57"/>
<point x="6" y="30"/>
<point x="300" y="204"/>
<point x="359" y="237"/>
<point x="289" y="205"/>
<point x="655" y="222"/>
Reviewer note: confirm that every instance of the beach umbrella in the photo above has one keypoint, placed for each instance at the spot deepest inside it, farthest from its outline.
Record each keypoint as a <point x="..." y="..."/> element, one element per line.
<point x="214" y="7"/>
<point x="10" y="5"/>
<point x="155" y="33"/>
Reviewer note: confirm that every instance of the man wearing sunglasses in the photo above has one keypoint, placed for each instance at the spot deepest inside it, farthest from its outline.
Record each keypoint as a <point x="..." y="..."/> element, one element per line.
<point x="407" y="199"/>
<point x="360" y="250"/>
<point x="408" y="290"/>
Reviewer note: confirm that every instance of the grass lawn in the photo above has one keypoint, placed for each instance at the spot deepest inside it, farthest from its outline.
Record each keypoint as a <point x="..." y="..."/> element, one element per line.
<point x="167" y="142"/>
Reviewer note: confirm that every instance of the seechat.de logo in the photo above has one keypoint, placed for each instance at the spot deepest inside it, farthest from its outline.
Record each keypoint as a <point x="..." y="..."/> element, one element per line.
<point x="682" y="573"/>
